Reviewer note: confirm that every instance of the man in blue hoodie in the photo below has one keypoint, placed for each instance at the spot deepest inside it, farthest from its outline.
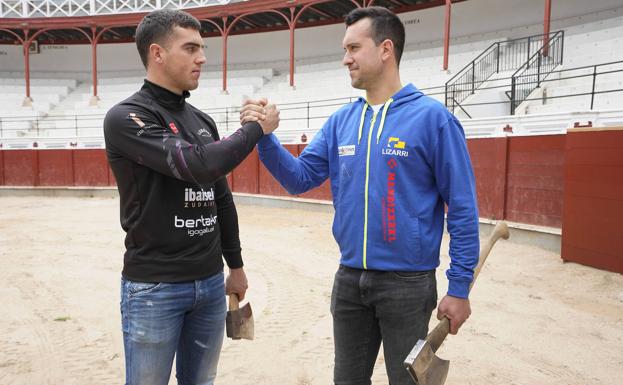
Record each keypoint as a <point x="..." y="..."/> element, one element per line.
<point x="394" y="159"/>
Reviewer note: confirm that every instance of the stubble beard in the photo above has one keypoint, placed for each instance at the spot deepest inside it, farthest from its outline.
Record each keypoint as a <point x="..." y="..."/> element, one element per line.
<point x="193" y="85"/>
<point x="357" y="83"/>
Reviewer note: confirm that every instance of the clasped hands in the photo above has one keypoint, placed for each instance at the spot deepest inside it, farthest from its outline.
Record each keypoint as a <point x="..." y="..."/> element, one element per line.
<point x="262" y="112"/>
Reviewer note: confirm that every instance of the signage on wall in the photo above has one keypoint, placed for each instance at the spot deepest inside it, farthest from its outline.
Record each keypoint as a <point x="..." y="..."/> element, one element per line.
<point x="411" y="21"/>
<point x="34" y="48"/>
<point x="49" y="47"/>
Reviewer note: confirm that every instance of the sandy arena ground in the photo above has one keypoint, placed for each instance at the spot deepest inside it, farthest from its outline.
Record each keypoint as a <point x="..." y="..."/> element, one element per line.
<point x="535" y="321"/>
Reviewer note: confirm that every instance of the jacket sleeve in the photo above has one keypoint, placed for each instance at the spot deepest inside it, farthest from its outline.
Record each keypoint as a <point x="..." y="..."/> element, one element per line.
<point x="134" y="132"/>
<point x="227" y="218"/>
<point x="301" y="174"/>
<point x="455" y="180"/>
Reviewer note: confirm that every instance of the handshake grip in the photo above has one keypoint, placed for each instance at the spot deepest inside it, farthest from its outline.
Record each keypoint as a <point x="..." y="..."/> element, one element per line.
<point x="260" y="111"/>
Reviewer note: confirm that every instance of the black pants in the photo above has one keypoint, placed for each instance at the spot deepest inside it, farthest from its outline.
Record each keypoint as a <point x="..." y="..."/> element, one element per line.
<point x="373" y="306"/>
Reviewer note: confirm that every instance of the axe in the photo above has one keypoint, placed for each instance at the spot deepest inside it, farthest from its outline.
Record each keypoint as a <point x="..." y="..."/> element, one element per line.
<point x="239" y="321"/>
<point x="422" y="364"/>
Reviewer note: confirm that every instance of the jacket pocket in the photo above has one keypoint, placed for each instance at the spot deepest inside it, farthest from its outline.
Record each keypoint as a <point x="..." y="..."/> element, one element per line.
<point x="413" y="275"/>
<point x="343" y="211"/>
<point x="414" y="238"/>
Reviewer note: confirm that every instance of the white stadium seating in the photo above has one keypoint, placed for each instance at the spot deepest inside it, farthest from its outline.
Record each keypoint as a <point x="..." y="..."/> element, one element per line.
<point x="62" y="106"/>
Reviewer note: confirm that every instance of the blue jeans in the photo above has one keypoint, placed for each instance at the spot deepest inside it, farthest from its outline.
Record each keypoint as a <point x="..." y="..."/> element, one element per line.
<point x="163" y="320"/>
<point x="373" y="306"/>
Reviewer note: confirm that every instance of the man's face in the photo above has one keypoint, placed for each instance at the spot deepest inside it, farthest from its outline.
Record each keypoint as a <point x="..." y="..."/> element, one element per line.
<point x="362" y="57"/>
<point x="182" y="58"/>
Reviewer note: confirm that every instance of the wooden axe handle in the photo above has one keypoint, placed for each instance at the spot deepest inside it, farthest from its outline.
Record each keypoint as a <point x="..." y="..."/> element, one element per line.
<point x="233" y="301"/>
<point x="440" y="332"/>
<point x="500" y="231"/>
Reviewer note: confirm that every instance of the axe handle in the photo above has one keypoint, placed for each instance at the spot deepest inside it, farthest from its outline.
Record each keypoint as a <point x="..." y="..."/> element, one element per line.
<point x="499" y="231"/>
<point x="440" y="332"/>
<point x="233" y="301"/>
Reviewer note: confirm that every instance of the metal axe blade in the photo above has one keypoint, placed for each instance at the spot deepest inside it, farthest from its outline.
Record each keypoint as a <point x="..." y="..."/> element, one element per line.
<point x="239" y="321"/>
<point x="422" y="360"/>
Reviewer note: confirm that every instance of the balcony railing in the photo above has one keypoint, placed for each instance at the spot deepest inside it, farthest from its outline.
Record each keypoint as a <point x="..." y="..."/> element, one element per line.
<point x="64" y="8"/>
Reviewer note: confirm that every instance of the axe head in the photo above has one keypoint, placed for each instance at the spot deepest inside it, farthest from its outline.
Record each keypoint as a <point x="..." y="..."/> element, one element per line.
<point x="239" y="323"/>
<point x="424" y="366"/>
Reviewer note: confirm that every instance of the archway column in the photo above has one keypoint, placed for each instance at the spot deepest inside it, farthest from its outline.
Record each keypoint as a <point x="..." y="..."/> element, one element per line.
<point x="446" y="35"/>
<point x="27" y="102"/>
<point x="546" y="26"/>
<point x="94" y="99"/>
<point x="225" y="34"/>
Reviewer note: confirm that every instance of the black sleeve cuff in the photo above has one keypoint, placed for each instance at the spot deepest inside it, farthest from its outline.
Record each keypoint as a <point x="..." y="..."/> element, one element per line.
<point x="234" y="260"/>
<point x="254" y="129"/>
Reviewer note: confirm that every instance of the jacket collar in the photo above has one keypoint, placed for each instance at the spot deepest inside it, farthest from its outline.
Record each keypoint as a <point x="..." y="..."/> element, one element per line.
<point x="405" y="94"/>
<point x="164" y="96"/>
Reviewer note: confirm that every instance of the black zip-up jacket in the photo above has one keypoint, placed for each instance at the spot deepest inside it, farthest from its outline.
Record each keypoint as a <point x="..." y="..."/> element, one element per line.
<point x="170" y="166"/>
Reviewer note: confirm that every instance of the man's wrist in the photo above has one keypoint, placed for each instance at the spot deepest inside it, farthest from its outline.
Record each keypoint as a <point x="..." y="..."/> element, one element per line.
<point x="458" y="288"/>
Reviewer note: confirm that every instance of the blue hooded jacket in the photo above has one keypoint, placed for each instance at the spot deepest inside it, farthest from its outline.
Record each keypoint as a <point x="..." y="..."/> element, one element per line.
<point x="391" y="173"/>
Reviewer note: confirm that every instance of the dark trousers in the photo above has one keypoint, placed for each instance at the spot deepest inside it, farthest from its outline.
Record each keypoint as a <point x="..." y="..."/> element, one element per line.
<point x="373" y="306"/>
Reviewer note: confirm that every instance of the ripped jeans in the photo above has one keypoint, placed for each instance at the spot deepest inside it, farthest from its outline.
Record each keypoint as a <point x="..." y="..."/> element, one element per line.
<point x="161" y="321"/>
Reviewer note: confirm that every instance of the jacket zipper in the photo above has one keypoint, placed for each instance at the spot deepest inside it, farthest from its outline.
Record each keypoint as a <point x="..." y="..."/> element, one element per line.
<point x="365" y="213"/>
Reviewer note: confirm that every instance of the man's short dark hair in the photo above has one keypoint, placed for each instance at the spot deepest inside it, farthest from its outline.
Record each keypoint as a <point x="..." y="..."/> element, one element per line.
<point x="156" y="27"/>
<point x="384" y="25"/>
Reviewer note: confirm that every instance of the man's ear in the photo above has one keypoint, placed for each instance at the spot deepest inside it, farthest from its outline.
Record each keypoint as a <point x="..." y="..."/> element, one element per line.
<point x="155" y="53"/>
<point x="388" y="49"/>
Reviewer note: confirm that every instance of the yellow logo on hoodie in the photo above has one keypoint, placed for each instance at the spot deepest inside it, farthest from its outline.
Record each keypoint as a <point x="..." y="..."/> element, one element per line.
<point x="397" y="143"/>
<point x="396" y="147"/>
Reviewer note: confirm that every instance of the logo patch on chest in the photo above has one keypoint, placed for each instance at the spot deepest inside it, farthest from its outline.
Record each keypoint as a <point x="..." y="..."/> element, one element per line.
<point x="173" y="128"/>
<point x="346" y="150"/>
<point x="395" y="147"/>
<point x="204" y="132"/>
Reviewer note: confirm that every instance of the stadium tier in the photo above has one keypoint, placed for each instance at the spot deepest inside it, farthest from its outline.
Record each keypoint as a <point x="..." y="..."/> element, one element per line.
<point x="498" y="74"/>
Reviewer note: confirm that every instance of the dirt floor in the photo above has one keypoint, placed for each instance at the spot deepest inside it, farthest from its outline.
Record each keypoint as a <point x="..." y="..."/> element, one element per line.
<point x="535" y="321"/>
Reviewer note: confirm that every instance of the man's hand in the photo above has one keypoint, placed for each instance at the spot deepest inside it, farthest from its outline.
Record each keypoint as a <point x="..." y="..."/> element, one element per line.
<point x="267" y="115"/>
<point x="236" y="282"/>
<point x="457" y="310"/>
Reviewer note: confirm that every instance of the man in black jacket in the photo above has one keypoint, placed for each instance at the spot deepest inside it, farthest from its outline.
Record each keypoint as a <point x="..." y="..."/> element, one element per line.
<point x="176" y="209"/>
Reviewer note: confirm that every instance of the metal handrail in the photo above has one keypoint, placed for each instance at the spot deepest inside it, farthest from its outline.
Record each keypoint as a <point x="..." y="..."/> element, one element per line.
<point x="528" y="38"/>
<point x="491" y="61"/>
<point x="462" y="109"/>
<point x="594" y="74"/>
<point x="519" y="93"/>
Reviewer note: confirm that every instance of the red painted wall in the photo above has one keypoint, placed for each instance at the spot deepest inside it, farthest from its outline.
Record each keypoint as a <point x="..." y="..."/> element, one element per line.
<point x="55" y="168"/>
<point x="245" y="177"/>
<point x="90" y="168"/>
<point x="593" y="199"/>
<point x="488" y="158"/>
<point x="1" y="168"/>
<point x="20" y="167"/>
<point x="532" y="195"/>
<point x="535" y="180"/>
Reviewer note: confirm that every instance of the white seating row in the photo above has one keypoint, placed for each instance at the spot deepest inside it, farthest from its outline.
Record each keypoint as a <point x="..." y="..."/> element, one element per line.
<point x="17" y="79"/>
